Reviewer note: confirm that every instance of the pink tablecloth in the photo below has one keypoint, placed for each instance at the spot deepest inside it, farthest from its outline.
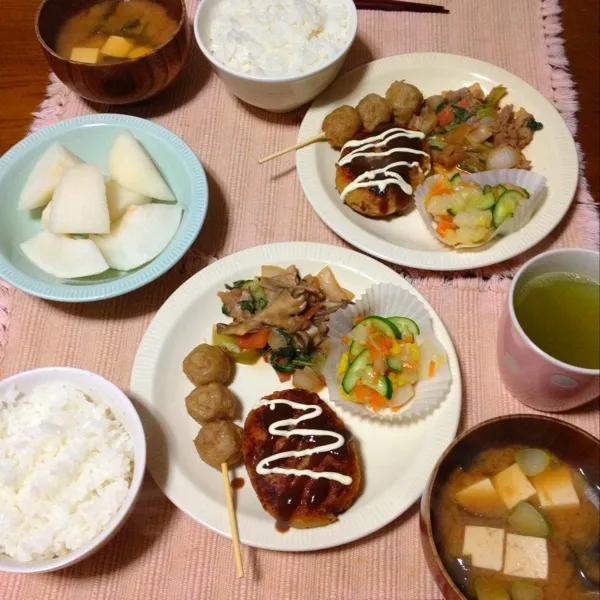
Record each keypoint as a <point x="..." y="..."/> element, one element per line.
<point x="161" y="553"/>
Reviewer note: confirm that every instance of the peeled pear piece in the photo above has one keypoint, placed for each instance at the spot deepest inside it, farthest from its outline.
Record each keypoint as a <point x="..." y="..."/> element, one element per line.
<point x="120" y="199"/>
<point x="79" y="202"/>
<point x="45" y="218"/>
<point x="64" y="257"/>
<point x="129" y="165"/>
<point x="45" y="175"/>
<point x="140" y="235"/>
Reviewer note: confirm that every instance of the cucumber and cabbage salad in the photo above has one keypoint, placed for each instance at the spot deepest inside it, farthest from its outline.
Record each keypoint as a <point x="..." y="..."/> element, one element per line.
<point x="467" y="214"/>
<point x="383" y="362"/>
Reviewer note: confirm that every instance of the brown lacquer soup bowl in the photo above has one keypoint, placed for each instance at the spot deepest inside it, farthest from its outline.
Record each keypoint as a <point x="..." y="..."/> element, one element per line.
<point x="124" y="82"/>
<point x="568" y="443"/>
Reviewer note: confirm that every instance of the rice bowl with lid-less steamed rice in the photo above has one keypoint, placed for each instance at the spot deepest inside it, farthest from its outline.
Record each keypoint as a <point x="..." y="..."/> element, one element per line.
<point x="278" y="38"/>
<point x="65" y="469"/>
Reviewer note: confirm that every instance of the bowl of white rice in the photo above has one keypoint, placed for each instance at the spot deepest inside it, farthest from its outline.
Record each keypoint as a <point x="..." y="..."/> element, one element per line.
<point x="72" y="460"/>
<point x="276" y="54"/>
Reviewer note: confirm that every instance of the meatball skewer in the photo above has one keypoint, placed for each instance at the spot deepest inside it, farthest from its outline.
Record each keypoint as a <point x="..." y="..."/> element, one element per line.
<point x="339" y="126"/>
<point x="219" y="441"/>
<point x="402" y="100"/>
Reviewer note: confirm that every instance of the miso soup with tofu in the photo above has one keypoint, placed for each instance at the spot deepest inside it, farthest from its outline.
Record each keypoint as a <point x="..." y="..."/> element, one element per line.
<point x="114" y="31"/>
<point x="520" y="524"/>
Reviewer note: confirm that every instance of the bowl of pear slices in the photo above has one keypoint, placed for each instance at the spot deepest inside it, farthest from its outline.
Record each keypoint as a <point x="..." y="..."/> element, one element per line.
<point x="97" y="206"/>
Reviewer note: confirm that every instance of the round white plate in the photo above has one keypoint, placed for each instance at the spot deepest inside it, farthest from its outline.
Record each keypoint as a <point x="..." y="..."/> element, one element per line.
<point x="397" y="460"/>
<point x="405" y="240"/>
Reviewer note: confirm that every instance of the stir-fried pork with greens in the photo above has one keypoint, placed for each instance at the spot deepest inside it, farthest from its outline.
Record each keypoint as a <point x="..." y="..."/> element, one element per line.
<point x="467" y="129"/>
<point x="284" y="319"/>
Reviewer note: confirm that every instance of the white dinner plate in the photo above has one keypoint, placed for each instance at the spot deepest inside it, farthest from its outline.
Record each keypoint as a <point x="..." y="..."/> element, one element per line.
<point x="397" y="459"/>
<point x="404" y="240"/>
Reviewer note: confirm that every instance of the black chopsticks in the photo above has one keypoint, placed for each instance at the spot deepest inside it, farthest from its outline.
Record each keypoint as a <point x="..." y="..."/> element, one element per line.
<point x="399" y="6"/>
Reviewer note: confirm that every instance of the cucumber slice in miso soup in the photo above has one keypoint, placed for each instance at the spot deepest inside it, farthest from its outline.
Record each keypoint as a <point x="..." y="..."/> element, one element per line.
<point x="486" y="589"/>
<point x="526" y="520"/>
<point x="533" y="461"/>
<point x="522" y="590"/>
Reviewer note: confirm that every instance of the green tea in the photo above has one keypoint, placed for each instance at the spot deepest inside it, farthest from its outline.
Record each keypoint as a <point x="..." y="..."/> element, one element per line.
<point x="560" y="313"/>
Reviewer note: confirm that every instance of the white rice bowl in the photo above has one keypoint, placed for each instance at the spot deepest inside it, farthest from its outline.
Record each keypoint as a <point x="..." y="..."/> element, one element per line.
<point x="278" y="38"/>
<point x="72" y="458"/>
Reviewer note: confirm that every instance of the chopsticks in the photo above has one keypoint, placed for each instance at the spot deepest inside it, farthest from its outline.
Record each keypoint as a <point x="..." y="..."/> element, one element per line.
<point x="400" y="6"/>
<point x="235" y="538"/>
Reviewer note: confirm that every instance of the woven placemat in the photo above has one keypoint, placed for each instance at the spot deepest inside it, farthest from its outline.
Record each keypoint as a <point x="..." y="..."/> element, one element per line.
<point x="161" y="553"/>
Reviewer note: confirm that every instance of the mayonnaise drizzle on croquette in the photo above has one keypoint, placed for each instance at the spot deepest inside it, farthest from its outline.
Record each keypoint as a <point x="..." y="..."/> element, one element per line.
<point x="280" y="428"/>
<point x="368" y="178"/>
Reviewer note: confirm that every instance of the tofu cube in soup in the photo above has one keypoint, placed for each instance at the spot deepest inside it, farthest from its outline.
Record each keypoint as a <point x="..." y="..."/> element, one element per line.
<point x="139" y="51"/>
<point x="513" y="486"/>
<point x="555" y="488"/>
<point x="116" y="46"/>
<point x="526" y="556"/>
<point x="85" y="55"/>
<point x="485" y="546"/>
<point x="481" y="498"/>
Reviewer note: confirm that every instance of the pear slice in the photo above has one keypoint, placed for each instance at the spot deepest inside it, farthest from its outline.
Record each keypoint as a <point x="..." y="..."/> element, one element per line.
<point x="64" y="257"/>
<point x="120" y="199"/>
<point x="79" y="202"/>
<point x="45" y="217"/>
<point x="129" y="165"/>
<point x="140" y="235"/>
<point x="44" y="177"/>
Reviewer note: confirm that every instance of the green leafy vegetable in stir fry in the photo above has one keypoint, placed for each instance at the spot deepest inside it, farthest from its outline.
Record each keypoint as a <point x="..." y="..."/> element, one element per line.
<point x="468" y="130"/>
<point x="282" y="318"/>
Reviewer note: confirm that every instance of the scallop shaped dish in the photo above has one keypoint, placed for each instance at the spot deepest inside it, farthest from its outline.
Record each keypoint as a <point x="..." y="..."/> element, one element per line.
<point x="90" y="138"/>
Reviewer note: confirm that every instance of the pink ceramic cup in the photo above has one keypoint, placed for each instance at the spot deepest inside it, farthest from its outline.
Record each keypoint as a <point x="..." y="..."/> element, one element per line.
<point x="532" y="376"/>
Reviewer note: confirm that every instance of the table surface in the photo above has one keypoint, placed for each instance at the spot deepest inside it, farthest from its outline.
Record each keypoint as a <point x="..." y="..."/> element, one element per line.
<point x="23" y="76"/>
<point x="24" y="73"/>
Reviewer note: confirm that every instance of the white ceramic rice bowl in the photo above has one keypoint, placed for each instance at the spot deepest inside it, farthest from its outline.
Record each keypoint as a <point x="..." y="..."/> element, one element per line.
<point x="275" y="94"/>
<point x="123" y="409"/>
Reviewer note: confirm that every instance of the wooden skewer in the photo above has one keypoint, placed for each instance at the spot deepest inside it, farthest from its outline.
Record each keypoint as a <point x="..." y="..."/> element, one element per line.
<point x="232" y="521"/>
<point x="312" y="140"/>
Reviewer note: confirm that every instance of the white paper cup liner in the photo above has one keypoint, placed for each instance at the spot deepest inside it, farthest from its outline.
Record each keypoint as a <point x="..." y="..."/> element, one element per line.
<point x="386" y="300"/>
<point x="534" y="183"/>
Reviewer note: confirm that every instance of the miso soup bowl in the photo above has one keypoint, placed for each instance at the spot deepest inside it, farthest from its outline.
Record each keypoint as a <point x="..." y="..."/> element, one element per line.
<point x="532" y="376"/>
<point x="275" y="94"/>
<point x="124" y="82"/>
<point x="569" y="443"/>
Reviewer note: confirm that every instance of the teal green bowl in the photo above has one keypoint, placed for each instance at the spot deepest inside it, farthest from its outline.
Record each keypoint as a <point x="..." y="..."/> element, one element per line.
<point x="90" y="138"/>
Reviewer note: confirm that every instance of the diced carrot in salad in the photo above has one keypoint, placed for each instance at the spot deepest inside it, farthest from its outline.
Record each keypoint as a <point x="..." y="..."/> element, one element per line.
<point x="445" y="226"/>
<point x="431" y="371"/>
<point x="440" y="188"/>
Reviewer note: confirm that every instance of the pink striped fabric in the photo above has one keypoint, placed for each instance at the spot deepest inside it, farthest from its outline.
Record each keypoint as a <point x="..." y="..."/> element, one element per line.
<point x="161" y="553"/>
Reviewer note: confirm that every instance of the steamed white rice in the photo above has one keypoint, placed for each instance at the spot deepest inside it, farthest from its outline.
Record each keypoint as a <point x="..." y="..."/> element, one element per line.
<point x="65" y="469"/>
<point x="278" y="38"/>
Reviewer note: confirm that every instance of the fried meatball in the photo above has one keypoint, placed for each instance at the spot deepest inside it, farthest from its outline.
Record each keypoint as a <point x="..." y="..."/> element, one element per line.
<point x="374" y="111"/>
<point x="405" y="100"/>
<point x="206" y="363"/>
<point x="219" y="442"/>
<point x="211" y="402"/>
<point x="341" y="125"/>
